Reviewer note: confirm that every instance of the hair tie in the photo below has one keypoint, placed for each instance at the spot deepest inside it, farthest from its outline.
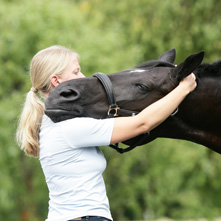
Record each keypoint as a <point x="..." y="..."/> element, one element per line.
<point x="34" y="90"/>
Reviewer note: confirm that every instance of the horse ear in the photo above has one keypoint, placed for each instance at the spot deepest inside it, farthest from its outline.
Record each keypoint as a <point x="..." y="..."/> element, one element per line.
<point x="165" y="60"/>
<point x="168" y="56"/>
<point x="188" y="66"/>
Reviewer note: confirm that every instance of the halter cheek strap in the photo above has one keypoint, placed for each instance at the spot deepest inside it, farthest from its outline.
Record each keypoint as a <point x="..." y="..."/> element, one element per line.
<point x="114" y="110"/>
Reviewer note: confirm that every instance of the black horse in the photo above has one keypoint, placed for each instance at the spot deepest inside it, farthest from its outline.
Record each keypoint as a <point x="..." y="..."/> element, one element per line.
<point x="198" y="118"/>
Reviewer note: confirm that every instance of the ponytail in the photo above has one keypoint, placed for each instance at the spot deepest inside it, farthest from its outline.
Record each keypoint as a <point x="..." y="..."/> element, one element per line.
<point x="29" y="124"/>
<point x="47" y="62"/>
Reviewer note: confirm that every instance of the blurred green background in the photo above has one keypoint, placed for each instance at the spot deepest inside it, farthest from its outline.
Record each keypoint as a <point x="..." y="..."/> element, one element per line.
<point x="166" y="178"/>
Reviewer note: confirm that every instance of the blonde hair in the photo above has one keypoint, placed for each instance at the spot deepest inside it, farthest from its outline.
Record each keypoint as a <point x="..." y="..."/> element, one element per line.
<point x="47" y="62"/>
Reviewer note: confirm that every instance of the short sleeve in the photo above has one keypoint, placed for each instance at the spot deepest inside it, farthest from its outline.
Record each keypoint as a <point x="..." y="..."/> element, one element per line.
<point x="85" y="132"/>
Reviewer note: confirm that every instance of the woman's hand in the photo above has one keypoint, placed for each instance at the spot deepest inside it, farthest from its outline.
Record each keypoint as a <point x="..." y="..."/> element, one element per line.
<point x="189" y="82"/>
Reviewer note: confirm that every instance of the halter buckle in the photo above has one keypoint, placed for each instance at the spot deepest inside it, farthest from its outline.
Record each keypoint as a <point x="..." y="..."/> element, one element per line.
<point x="113" y="109"/>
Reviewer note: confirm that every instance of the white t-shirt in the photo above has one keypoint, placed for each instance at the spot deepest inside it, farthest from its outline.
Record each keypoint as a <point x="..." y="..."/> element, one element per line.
<point x="73" y="166"/>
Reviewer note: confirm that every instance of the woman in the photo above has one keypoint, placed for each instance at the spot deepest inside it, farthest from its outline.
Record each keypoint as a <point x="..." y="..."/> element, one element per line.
<point x="73" y="165"/>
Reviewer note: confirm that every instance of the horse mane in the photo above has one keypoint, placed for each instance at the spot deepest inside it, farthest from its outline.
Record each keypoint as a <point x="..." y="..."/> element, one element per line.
<point x="206" y="69"/>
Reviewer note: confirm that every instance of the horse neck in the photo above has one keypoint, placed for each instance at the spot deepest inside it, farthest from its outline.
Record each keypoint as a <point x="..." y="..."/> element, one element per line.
<point x="199" y="116"/>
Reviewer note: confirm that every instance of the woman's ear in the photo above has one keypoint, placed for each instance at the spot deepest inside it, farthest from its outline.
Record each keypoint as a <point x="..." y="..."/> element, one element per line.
<point x="54" y="81"/>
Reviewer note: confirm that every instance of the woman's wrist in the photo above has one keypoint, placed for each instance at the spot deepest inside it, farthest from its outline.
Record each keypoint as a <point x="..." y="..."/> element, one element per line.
<point x="188" y="84"/>
<point x="185" y="88"/>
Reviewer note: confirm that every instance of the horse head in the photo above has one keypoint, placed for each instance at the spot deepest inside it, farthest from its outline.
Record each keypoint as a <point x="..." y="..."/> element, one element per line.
<point x="146" y="83"/>
<point x="134" y="89"/>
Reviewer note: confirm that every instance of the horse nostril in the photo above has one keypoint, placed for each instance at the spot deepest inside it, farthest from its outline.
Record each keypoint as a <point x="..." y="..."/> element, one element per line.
<point x="69" y="93"/>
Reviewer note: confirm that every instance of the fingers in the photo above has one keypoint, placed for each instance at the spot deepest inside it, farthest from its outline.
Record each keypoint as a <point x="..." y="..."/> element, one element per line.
<point x="189" y="82"/>
<point x="194" y="76"/>
<point x="191" y="77"/>
<point x="194" y="84"/>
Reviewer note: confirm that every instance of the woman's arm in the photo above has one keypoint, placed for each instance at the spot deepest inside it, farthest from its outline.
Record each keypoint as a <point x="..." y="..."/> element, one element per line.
<point x="153" y="115"/>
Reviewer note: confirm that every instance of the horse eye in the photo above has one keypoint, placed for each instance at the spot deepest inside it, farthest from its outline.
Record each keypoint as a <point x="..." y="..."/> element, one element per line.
<point x="142" y="87"/>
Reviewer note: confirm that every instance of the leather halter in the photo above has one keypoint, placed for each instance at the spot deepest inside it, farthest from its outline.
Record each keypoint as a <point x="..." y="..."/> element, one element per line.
<point x="115" y="111"/>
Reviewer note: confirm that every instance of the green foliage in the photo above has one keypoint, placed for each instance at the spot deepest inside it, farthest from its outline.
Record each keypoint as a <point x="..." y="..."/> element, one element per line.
<point x="168" y="178"/>
<point x="164" y="178"/>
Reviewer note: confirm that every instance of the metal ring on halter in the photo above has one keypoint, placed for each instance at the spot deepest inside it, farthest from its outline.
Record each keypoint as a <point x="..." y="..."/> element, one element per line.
<point x="34" y="90"/>
<point x="113" y="110"/>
